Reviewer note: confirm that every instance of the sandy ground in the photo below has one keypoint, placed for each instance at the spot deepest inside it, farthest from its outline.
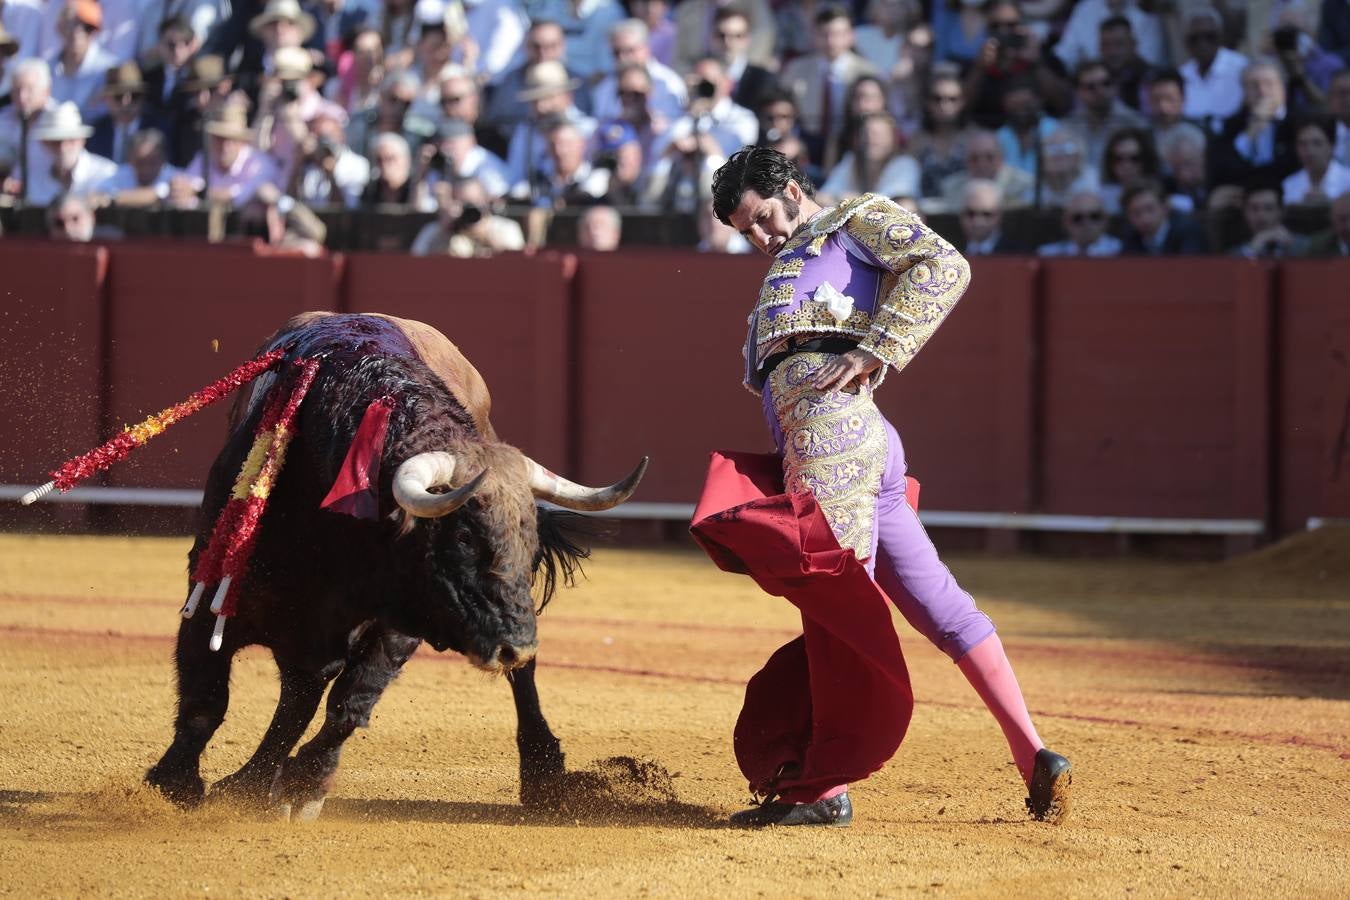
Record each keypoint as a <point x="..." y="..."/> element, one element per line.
<point x="1205" y="710"/>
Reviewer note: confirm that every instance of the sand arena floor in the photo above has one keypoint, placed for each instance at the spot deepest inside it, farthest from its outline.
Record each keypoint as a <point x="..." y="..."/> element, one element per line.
<point x="1206" y="710"/>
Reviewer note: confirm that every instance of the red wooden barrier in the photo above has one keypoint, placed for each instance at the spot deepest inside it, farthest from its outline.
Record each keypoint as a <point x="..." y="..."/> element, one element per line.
<point x="510" y="317"/>
<point x="1156" y="388"/>
<point x="51" y="360"/>
<point x="182" y="317"/>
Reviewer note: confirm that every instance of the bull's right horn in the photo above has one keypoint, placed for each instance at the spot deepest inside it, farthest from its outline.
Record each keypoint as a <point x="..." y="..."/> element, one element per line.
<point x="418" y="474"/>
<point x="554" y="488"/>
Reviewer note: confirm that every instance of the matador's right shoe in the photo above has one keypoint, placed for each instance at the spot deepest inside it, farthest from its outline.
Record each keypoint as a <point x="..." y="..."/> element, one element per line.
<point x="1051" y="787"/>
<point x="833" y="812"/>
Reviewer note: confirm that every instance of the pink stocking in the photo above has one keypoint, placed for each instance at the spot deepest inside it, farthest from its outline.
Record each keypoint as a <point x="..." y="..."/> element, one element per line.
<point x="987" y="669"/>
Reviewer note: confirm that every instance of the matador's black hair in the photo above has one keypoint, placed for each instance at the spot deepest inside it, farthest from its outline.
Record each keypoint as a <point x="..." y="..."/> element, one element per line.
<point x="760" y="169"/>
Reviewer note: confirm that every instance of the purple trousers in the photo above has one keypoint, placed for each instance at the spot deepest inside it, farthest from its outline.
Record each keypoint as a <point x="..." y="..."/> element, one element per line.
<point x="903" y="561"/>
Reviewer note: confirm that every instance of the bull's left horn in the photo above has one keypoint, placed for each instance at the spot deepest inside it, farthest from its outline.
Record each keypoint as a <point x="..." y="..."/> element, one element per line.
<point x="418" y="474"/>
<point x="556" y="489"/>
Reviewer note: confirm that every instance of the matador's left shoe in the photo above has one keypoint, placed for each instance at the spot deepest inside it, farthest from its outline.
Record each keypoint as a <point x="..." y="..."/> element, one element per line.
<point x="1051" y="787"/>
<point x="832" y="812"/>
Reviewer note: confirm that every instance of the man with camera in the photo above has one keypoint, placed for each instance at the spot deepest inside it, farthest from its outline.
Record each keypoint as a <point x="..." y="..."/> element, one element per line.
<point x="1012" y="52"/>
<point x="1308" y="69"/>
<point x="455" y="155"/>
<point x="711" y="113"/>
<point x="465" y="225"/>
<point x="329" y="173"/>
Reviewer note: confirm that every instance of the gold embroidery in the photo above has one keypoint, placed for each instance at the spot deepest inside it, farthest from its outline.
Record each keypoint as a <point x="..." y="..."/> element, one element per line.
<point x="786" y="268"/>
<point x="811" y="318"/>
<point x="817" y="245"/>
<point x="774" y="295"/>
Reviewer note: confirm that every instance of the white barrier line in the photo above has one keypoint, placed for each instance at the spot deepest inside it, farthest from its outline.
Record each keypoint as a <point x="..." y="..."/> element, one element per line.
<point x="683" y="512"/>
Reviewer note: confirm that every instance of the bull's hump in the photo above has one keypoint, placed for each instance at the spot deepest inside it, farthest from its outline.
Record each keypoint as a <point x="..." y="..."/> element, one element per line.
<point x="354" y="333"/>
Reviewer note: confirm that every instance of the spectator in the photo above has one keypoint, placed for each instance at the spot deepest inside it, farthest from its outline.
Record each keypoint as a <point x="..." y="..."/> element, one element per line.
<point x="169" y="69"/>
<point x="635" y="91"/>
<point x="715" y="237"/>
<point x="1257" y="141"/>
<point x="1011" y="51"/>
<point x="1084" y="223"/>
<point x="443" y="44"/>
<point x="1120" y="55"/>
<point x="600" y="229"/>
<point x="544" y="42"/>
<point x="587" y="25"/>
<point x="1335" y="242"/>
<point x="570" y="179"/>
<point x="288" y="101"/>
<point x="1321" y="178"/>
<point x="981" y="220"/>
<point x="281" y="24"/>
<point x="237" y="168"/>
<point x="120" y="33"/>
<point x="201" y="94"/>
<point x="620" y="152"/>
<point x="465" y="225"/>
<point x="984" y="162"/>
<point x="866" y="96"/>
<point x="497" y="27"/>
<point x="661" y="30"/>
<point x="66" y="166"/>
<point x="9" y="48"/>
<point x="1182" y="149"/>
<point x="682" y="177"/>
<point x="549" y="91"/>
<point x="459" y="100"/>
<point x="1100" y="112"/>
<point x="628" y="42"/>
<point x="1333" y="30"/>
<point x="881" y="41"/>
<point x="778" y="129"/>
<point x="146" y="177"/>
<point x="281" y="223"/>
<point x="873" y="165"/>
<point x="1307" y="68"/>
<point x="1213" y="74"/>
<point x="398" y="31"/>
<point x="338" y="22"/>
<point x="1166" y="98"/>
<point x="391" y="182"/>
<point x="1154" y="230"/>
<point x="124" y="96"/>
<point x="1064" y="169"/>
<point x="69" y="218"/>
<point x="20" y="26"/>
<point x="1338" y="104"/>
<point x="820" y="81"/>
<point x="1262" y="212"/>
<point x="696" y="23"/>
<point x="389" y="116"/>
<point x="1130" y="156"/>
<point x="939" y="146"/>
<point x="457" y="156"/>
<point x="750" y="82"/>
<point x="203" y="19"/>
<point x="1083" y="33"/>
<point x="31" y="97"/>
<point x="1021" y="138"/>
<point x="711" y="113"/>
<point x="329" y="173"/>
<point x="912" y="76"/>
<point x="360" y="73"/>
<point x="959" y="30"/>
<point x="78" y="68"/>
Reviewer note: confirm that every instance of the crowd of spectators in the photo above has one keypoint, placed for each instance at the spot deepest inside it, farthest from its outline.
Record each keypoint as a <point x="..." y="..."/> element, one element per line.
<point x="1128" y="121"/>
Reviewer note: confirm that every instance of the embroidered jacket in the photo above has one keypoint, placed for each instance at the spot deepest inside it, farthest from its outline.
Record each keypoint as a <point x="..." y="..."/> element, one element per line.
<point x="890" y="303"/>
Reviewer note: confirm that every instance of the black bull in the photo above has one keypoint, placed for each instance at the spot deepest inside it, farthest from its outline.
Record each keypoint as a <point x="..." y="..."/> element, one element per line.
<point x="348" y="600"/>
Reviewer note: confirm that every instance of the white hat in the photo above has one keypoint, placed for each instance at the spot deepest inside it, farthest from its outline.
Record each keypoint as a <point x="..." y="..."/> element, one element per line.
<point x="543" y="79"/>
<point x="62" y="123"/>
<point x="288" y="10"/>
<point x="292" y="63"/>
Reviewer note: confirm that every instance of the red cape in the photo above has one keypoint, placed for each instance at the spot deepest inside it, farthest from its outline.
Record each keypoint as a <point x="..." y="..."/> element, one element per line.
<point x="831" y="706"/>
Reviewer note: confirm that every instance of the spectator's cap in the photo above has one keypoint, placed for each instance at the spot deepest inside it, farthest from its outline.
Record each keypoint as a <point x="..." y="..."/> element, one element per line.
<point x="61" y="123"/>
<point x="124" y="79"/>
<point x="87" y="12"/>
<point x="204" y="73"/>
<point x="454" y="128"/>
<point x="615" y="135"/>
<point x="283" y="11"/>
<point x="9" y="45"/>
<point x="231" y="123"/>
<point x="292" y="63"/>
<point x="440" y="14"/>
<point x="544" y="79"/>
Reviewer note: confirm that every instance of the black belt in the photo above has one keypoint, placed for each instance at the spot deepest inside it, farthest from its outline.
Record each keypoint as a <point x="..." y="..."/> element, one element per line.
<point x="815" y="345"/>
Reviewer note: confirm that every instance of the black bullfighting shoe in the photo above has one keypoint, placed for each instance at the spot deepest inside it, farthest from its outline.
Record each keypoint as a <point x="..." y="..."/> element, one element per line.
<point x="1051" y="784"/>
<point x="833" y="812"/>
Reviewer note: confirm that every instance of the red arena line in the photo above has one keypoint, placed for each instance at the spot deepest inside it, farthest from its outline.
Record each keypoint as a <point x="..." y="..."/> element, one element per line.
<point x="1267" y="738"/>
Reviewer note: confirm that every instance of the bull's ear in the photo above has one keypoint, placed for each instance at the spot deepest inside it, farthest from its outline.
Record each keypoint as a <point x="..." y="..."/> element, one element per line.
<point x="356" y="490"/>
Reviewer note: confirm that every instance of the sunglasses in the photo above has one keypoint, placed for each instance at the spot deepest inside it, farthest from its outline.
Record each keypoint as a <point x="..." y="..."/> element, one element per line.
<point x="944" y="98"/>
<point x="453" y="98"/>
<point x="1126" y="156"/>
<point x="733" y="35"/>
<point x="1080" y="218"/>
<point x="979" y="213"/>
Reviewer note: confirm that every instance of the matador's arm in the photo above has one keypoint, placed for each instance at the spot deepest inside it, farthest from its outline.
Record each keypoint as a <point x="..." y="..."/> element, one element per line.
<point x="928" y="276"/>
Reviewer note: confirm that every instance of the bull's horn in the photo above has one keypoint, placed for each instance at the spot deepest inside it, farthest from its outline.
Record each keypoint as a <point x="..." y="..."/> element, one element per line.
<point x="548" y="486"/>
<point x="417" y="475"/>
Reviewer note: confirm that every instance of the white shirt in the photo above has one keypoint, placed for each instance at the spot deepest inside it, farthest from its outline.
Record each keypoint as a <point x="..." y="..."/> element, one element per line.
<point x="91" y="174"/>
<point x="125" y="179"/>
<point x="120" y="36"/>
<point x="1342" y="151"/>
<point x="528" y="151"/>
<point x="1217" y="94"/>
<point x="668" y="99"/>
<point x="1081" y="34"/>
<point x="351" y="172"/>
<point x="732" y="126"/>
<point x="586" y="32"/>
<point x="82" y="86"/>
<point x="498" y="27"/>
<point x="1102" y="246"/>
<point x="484" y="166"/>
<point x="899" y="178"/>
<point x="872" y="44"/>
<point x="1335" y="182"/>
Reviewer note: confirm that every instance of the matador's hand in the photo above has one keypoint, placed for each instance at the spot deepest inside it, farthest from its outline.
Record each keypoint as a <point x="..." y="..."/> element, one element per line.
<point x="845" y="370"/>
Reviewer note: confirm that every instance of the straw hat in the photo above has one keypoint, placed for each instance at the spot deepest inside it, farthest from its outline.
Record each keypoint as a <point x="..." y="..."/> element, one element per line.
<point x="543" y="79"/>
<point x="9" y="45"/>
<point x="124" y="79"/>
<point x="61" y="123"/>
<point x="283" y="10"/>
<point x="231" y="123"/>
<point x="292" y="63"/>
<point x="204" y="73"/>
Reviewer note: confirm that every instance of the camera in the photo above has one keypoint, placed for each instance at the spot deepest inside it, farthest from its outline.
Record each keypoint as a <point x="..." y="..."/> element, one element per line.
<point x="705" y="89"/>
<point x="1011" y="40"/>
<point x="470" y="215"/>
<point x="290" y="91"/>
<point x="606" y="160"/>
<point x="324" y="148"/>
<point x="1285" y="39"/>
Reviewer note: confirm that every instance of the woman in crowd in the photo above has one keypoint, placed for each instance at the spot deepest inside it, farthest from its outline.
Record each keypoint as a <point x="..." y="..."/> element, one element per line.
<point x="940" y="144"/>
<point x="1129" y="156"/>
<point x="872" y="165"/>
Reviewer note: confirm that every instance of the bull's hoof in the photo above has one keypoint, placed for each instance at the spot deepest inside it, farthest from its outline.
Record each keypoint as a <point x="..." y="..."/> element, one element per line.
<point x="182" y="789"/>
<point x="245" y="787"/>
<point x="299" y="790"/>
<point x="542" y="772"/>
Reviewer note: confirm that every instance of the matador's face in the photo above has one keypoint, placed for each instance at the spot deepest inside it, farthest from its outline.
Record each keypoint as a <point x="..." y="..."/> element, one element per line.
<point x="767" y="224"/>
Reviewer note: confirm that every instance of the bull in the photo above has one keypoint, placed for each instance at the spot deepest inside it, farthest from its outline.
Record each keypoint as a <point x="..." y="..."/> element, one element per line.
<point x="453" y="554"/>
